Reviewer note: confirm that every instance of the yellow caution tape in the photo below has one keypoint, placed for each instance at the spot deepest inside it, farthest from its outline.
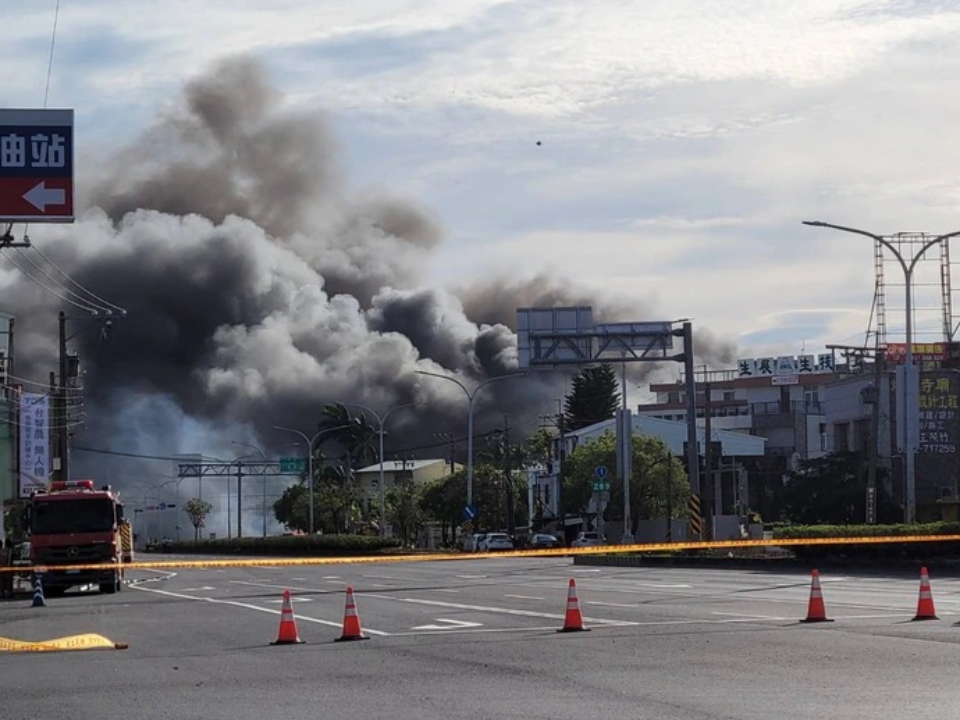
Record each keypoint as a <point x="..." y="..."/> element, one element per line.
<point x="552" y="552"/>
<point x="74" y="642"/>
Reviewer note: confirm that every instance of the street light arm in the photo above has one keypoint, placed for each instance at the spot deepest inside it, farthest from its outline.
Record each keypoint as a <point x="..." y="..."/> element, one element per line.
<point x="907" y="269"/>
<point x="250" y="445"/>
<point x="929" y="244"/>
<point x="445" y="377"/>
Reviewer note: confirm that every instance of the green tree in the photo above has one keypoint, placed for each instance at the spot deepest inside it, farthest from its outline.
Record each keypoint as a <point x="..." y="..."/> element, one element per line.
<point x="404" y="509"/>
<point x="197" y="510"/>
<point x="594" y="397"/>
<point x="291" y="509"/>
<point x="658" y="480"/>
<point x="443" y="501"/>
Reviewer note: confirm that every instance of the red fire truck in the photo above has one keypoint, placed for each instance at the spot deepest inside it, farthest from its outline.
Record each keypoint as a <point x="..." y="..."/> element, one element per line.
<point x="73" y="523"/>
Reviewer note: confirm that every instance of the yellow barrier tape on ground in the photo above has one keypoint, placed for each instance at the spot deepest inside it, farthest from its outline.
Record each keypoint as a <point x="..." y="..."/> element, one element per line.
<point x="73" y="642"/>
<point x="552" y="552"/>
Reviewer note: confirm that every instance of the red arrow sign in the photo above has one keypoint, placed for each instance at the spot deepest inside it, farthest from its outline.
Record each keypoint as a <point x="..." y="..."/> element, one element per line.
<point x="27" y="199"/>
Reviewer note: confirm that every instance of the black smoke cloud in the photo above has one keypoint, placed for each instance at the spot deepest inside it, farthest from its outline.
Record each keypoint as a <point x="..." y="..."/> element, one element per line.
<point x="258" y="288"/>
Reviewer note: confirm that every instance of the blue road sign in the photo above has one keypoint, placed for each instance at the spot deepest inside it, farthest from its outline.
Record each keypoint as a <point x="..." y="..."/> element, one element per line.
<point x="162" y="506"/>
<point x="469" y="512"/>
<point x="601" y="471"/>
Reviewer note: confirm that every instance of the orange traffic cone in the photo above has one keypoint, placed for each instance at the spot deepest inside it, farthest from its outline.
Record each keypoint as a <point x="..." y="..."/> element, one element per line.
<point x="925" y="609"/>
<point x="351" y="620"/>
<point x="816" y="611"/>
<point x="573" y="620"/>
<point x="288" y="624"/>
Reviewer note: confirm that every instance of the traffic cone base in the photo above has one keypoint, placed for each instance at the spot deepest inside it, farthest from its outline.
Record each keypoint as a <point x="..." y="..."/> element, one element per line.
<point x="287" y="634"/>
<point x="351" y="620"/>
<point x="816" y="610"/>
<point x="38" y="599"/>
<point x="925" y="609"/>
<point x="573" y="618"/>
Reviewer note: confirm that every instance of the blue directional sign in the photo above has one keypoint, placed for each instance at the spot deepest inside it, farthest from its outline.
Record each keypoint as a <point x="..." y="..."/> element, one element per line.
<point x="162" y="506"/>
<point x="469" y="512"/>
<point x="601" y="472"/>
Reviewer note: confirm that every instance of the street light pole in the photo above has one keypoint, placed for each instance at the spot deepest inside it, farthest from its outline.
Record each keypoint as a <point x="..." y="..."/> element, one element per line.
<point x="471" y="397"/>
<point x="911" y="374"/>
<point x="310" y="442"/>
<point x="381" y="422"/>
<point x="264" y="458"/>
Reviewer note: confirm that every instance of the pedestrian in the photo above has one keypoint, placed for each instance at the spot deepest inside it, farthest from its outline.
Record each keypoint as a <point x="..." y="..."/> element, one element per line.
<point x="6" y="572"/>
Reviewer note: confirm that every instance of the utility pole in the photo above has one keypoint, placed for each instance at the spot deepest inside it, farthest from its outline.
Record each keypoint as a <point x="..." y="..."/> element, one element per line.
<point x="507" y="477"/>
<point x="563" y="456"/>
<point x="63" y="437"/>
<point x="239" y="501"/>
<point x="708" y="505"/>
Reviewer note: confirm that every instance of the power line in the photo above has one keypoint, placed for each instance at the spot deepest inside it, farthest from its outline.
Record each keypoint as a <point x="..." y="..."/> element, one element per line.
<point x="53" y="40"/>
<point x="60" y="285"/>
<point x="70" y="279"/>
<point x="93" y="311"/>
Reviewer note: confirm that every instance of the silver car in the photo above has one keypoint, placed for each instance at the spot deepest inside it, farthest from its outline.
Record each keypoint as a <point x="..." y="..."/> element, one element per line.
<point x="496" y="541"/>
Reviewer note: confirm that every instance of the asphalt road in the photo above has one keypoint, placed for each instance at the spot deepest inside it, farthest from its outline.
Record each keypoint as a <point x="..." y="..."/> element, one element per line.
<point x="477" y="639"/>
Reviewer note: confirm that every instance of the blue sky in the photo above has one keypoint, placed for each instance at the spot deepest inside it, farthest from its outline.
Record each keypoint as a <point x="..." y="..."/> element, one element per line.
<point x="682" y="143"/>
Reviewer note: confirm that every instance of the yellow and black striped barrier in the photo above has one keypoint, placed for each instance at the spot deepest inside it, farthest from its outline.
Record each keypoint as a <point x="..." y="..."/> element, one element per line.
<point x="551" y="552"/>
<point x="87" y="641"/>
<point x="695" y="517"/>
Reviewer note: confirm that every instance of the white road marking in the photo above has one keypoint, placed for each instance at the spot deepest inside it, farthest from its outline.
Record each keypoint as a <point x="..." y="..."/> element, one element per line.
<point x="299" y="579"/>
<point x="391" y="577"/>
<point x="197" y="589"/>
<point x="443" y="590"/>
<point x="248" y="606"/>
<point x="747" y="616"/>
<point x="472" y="577"/>
<point x="496" y="610"/>
<point x="331" y="577"/>
<point x="376" y="585"/>
<point x="525" y="597"/>
<point x="449" y="625"/>
<point x="607" y="604"/>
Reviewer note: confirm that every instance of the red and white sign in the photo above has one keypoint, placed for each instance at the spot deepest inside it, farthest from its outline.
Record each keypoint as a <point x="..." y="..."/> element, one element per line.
<point x="36" y="165"/>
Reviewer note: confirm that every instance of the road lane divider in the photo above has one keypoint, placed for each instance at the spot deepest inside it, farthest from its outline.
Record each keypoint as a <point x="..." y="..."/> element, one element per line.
<point x="546" y="552"/>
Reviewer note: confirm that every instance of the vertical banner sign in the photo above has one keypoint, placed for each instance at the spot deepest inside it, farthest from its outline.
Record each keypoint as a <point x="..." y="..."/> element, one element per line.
<point x="34" y="442"/>
<point x="36" y="165"/>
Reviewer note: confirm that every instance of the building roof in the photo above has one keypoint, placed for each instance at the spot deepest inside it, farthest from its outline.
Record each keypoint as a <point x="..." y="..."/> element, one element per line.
<point x="400" y="465"/>
<point x="674" y="434"/>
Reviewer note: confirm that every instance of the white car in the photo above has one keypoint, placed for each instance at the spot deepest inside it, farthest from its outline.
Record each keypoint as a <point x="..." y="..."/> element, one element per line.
<point x="588" y="539"/>
<point x="471" y="543"/>
<point x="496" y="541"/>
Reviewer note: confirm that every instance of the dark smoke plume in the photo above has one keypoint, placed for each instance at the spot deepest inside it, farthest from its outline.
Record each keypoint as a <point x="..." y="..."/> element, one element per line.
<point x="258" y="288"/>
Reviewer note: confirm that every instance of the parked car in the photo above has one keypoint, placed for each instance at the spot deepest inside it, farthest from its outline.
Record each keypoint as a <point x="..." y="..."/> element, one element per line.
<point x="543" y="540"/>
<point x="471" y="543"/>
<point x="588" y="539"/>
<point x="496" y="541"/>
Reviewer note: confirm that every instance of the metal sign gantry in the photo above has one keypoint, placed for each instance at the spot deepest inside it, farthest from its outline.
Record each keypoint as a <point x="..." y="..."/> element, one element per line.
<point x="237" y="468"/>
<point x="552" y="337"/>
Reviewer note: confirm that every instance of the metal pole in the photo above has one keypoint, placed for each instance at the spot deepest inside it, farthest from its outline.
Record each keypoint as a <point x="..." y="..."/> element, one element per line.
<point x="470" y="406"/>
<point x="627" y="464"/>
<point x="312" y="526"/>
<point x="239" y="499"/>
<point x="63" y="441"/>
<point x="693" y="456"/>
<point x="383" y="494"/>
<point x="229" y="512"/>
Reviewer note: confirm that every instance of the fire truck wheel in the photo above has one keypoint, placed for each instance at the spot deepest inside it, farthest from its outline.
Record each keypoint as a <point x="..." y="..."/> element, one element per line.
<point x="111" y="586"/>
